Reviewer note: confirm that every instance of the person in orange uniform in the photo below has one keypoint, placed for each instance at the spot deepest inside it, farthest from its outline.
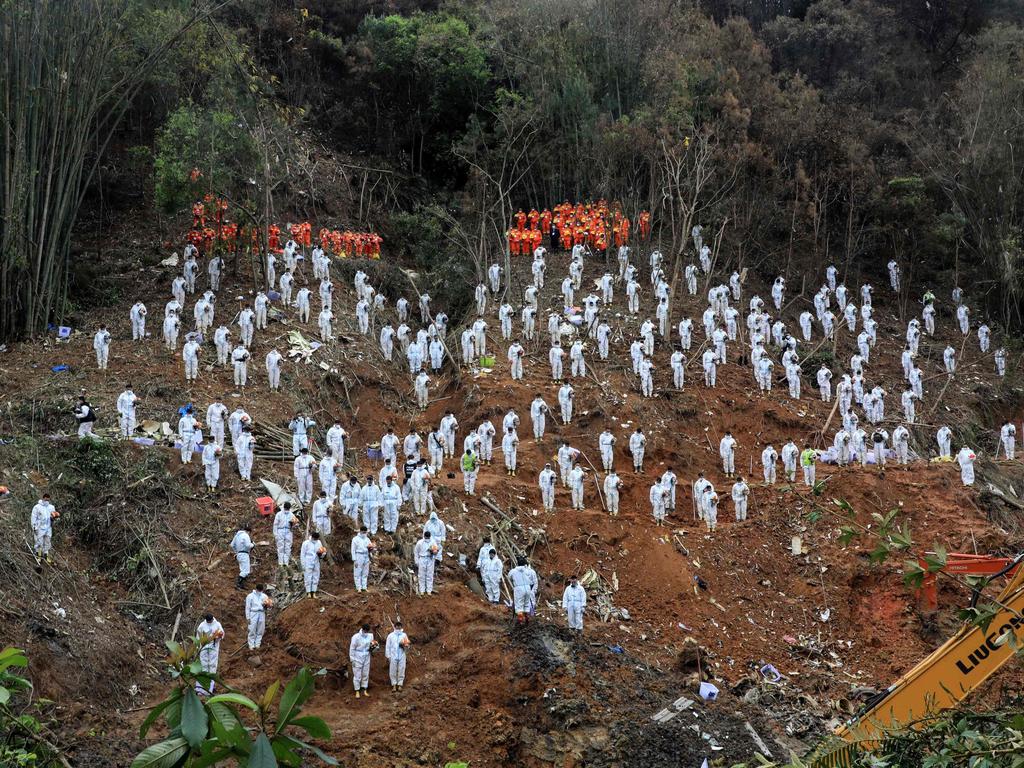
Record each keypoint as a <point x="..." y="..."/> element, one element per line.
<point x="273" y="237"/>
<point x="520" y="219"/>
<point x="535" y="240"/>
<point x="534" y="218"/>
<point x="644" y="222"/>
<point x="545" y="220"/>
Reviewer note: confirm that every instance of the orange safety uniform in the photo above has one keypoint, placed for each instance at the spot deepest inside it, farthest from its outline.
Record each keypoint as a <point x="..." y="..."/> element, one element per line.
<point x="644" y="222"/>
<point x="535" y="239"/>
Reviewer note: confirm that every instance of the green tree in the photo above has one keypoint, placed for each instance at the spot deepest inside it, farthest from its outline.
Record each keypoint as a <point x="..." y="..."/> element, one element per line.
<point x="972" y="149"/>
<point x="212" y="141"/>
<point x="67" y="77"/>
<point x="428" y="73"/>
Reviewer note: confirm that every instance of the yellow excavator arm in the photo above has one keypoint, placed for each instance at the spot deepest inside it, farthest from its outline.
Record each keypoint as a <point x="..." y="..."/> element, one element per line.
<point x="940" y="681"/>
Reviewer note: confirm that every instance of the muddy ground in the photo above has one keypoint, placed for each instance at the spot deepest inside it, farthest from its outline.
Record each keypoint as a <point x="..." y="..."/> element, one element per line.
<point x="479" y="688"/>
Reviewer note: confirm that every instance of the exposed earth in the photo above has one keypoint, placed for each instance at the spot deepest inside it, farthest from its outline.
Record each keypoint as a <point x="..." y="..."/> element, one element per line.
<point x="479" y="688"/>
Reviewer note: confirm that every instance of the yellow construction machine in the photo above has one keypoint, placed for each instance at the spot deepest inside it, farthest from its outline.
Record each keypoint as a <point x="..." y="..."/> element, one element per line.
<point x="939" y="682"/>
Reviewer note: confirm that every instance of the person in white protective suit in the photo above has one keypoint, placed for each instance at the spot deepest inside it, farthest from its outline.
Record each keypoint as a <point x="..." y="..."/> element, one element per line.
<point x="490" y="572"/>
<point x="395" y="651"/>
<point x="212" y="632"/>
<point x="966" y="458"/>
<point x="423" y="554"/>
<point x="359" y="650"/>
<point x="256" y="604"/>
<point x="361" y="550"/>
<point x="283" y="522"/>
<point x="574" y="602"/>
<point x="242" y="546"/>
<point x="524" y="590"/>
<point x="310" y="555"/>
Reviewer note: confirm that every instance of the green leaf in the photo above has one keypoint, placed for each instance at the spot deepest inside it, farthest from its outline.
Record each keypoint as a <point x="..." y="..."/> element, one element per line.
<point x="847" y="534"/>
<point x="880" y="553"/>
<point x="12" y="657"/>
<point x="314" y="726"/>
<point x="215" y="757"/>
<point x="262" y="755"/>
<point x="234" y="698"/>
<point x="173" y="715"/>
<point x="296" y="693"/>
<point x="286" y="751"/>
<point x="913" y="574"/>
<point x="318" y="752"/>
<point x="227" y="727"/>
<point x="980" y="616"/>
<point x="194" y="720"/>
<point x="5" y="695"/>
<point x="157" y="711"/>
<point x="268" y="695"/>
<point x="844" y="505"/>
<point x="162" y="755"/>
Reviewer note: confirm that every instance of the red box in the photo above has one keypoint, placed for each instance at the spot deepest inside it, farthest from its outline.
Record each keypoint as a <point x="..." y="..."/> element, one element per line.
<point x="265" y="505"/>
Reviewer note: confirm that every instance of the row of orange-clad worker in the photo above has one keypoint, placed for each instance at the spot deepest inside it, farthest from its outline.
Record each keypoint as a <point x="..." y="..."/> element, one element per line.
<point x="205" y="234"/>
<point x="568" y="225"/>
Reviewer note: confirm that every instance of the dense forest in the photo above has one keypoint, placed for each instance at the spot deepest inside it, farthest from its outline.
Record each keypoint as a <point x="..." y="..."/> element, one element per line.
<point x="850" y="132"/>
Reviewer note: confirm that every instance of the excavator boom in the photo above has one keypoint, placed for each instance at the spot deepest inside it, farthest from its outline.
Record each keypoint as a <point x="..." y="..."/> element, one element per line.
<point x="940" y="681"/>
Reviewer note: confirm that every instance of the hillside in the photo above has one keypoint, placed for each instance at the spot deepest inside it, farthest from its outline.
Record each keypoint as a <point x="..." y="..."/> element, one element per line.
<point x="834" y="625"/>
<point x="816" y="142"/>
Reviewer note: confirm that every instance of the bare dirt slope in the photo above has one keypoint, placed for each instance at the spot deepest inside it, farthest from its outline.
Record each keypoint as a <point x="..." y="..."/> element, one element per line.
<point x="480" y="688"/>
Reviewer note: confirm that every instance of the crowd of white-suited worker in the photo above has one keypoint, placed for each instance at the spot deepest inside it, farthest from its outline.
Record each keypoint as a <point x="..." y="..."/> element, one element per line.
<point x="411" y="461"/>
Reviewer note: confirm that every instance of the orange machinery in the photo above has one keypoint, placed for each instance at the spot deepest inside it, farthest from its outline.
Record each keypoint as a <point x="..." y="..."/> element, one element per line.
<point x="963" y="565"/>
